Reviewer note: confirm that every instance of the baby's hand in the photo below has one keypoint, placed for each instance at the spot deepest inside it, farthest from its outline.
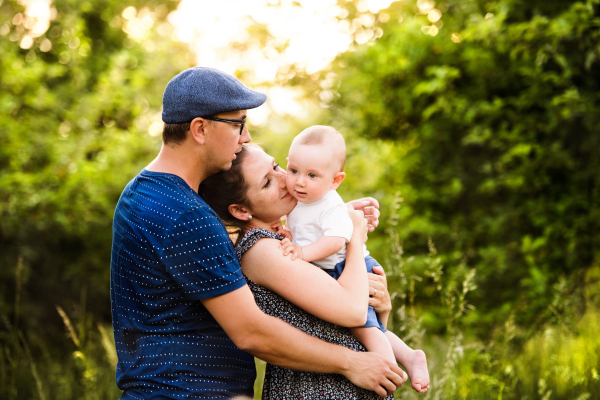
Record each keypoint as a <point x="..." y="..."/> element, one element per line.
<point x="289" y="247"/>
<point x="282" y="231"/>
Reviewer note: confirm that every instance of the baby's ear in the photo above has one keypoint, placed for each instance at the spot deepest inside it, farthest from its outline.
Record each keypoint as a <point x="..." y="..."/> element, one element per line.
<point x="337" y="179"/>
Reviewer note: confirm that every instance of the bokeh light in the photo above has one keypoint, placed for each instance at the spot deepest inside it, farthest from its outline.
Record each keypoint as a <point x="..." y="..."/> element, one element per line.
<point x="264" y="39"/>
<point x="307" y="34"/>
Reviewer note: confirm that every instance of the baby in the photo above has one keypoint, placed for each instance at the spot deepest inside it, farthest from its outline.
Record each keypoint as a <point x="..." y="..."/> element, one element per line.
<point x="321" y="227"/>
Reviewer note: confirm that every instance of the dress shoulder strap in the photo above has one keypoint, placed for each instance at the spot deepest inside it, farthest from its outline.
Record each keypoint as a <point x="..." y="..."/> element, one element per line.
<point x="252" y="237"/>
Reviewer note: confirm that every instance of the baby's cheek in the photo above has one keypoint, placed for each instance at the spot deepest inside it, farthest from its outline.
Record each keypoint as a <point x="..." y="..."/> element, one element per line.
<point x="289" y="183"/>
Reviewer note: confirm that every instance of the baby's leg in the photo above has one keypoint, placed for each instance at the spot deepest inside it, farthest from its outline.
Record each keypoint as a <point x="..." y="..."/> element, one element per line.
<point x="374" y="340"/>
<point x="413" y="361"/>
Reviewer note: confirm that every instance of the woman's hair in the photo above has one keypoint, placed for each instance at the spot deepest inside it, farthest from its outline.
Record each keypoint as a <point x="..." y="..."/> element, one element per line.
<point x="226" y="188"/>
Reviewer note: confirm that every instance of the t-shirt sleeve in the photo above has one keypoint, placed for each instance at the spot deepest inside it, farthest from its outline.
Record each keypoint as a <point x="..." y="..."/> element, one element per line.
<point x="200" y="256"/>
<point x="337" y="222"/>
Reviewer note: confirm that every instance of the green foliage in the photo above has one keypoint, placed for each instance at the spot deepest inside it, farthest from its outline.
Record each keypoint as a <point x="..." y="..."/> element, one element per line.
<point x="499" y="112"/>
<point x="481" y="143"/>
<point x="557" y="362"/>
<point x="75" y="109"/>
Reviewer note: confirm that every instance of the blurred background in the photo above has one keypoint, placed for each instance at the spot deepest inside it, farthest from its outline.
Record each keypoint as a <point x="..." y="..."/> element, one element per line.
<point x="475" y="123"/>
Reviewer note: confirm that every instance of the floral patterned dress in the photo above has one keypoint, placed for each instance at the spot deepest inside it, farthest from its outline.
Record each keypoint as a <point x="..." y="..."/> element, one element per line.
<point x="284" y="383"/>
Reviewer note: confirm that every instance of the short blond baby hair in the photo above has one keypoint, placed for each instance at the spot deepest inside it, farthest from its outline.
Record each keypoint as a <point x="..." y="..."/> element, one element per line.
<point x="326" y="136"/>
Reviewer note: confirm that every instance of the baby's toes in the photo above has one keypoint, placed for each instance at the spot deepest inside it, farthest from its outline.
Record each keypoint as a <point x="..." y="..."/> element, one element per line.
<point x="417" y="386"/>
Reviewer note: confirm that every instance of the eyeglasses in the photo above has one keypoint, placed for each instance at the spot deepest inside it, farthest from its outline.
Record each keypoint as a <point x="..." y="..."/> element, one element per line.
<point x="232" y="121"/>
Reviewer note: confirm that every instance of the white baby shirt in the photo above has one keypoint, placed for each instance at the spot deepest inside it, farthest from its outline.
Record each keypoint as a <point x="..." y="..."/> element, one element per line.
<point x="326" y="217"/>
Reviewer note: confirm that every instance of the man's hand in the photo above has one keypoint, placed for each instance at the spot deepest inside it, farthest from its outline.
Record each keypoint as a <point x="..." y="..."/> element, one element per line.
<point x="379" y="295"/>
<point x="372" y="371"/>
<point x="370" y="207"/>
<point x="291" y="248"/>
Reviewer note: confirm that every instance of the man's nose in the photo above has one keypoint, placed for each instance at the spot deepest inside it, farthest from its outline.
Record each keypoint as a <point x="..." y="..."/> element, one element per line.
<point x="245" y="136"/>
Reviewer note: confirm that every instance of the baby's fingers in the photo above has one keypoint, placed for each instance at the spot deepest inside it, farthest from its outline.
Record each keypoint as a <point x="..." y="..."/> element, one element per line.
<point x="287" y="249"/>
<point x="288" y="246"/>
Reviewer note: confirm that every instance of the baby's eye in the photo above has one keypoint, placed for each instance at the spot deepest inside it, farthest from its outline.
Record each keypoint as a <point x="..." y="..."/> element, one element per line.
<point x="312" y="175"/>
<point x="275" y="167"/>
<point x="293" y="171"/>
<point x="267" y="184"/>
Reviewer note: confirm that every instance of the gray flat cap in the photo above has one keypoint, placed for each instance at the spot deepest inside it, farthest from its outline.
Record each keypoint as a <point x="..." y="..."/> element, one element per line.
<point x="202" y="92"/>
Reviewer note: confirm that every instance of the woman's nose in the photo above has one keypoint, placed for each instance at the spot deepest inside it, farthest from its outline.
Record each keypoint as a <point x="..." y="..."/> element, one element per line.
<point x="281" y="174"/>
<point x="281" y="178"/>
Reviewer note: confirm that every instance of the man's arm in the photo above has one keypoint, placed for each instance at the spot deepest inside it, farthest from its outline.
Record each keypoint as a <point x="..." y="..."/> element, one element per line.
<point x="278" y="343"/>
<point x="370" y="207"/>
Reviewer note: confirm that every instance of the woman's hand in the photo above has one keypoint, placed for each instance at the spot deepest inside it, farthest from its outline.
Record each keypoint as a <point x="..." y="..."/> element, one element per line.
<point x="379" y="297"/>
<point x="360" y="224"/>
<point x="370" y="207"/>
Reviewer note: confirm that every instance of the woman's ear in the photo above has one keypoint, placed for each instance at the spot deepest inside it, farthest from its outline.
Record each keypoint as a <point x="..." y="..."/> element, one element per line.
<point x="240" y="212"/>
<point x="337" y="179"/>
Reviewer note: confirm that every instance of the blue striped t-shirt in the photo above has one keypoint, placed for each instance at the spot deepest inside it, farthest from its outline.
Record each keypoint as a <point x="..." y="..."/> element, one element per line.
<point x="170" y="250"/>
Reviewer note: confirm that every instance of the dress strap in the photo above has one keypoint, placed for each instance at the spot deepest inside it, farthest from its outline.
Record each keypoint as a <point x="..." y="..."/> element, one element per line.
<point x="252" y="237"/>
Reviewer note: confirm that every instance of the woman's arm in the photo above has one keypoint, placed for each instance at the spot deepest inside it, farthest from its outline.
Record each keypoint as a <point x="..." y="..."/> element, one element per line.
<point x="342" y="302"/>
<point x="277" y="342"/>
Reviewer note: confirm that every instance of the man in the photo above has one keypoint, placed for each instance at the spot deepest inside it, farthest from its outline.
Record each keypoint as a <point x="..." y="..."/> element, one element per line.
<point x="185" y="322"/>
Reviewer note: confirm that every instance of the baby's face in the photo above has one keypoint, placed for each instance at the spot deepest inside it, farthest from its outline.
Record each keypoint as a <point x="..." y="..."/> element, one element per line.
<point x="310" y="172"/>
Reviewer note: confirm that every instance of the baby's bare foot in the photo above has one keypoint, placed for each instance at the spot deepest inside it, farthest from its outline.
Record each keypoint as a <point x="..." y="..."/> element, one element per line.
<point x="417" y="371"/>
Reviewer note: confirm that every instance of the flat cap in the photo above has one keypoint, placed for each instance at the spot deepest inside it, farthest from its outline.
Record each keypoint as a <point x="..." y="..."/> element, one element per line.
<point x="202" y="92"/>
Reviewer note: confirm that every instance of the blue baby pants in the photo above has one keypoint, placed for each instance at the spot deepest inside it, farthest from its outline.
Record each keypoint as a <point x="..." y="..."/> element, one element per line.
<point x="372" y="318"/>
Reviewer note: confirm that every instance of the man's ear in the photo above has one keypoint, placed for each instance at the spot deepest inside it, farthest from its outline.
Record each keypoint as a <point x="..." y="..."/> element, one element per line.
<point x="198" y="130"/>
<point x="337" y="179"/>
<point x="240" y="212"/>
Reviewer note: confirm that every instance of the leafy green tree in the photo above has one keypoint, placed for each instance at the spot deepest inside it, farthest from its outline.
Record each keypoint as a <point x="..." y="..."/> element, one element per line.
<point x="76" y="105"/>
<point x="498" y="104"/>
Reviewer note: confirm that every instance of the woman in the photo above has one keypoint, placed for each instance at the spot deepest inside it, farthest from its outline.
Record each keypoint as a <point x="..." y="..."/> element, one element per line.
<point x="252" y="196"/>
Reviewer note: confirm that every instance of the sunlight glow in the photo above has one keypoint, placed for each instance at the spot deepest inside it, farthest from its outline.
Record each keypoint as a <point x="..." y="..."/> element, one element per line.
<point x="310" y="28"/>
<point x="263" y="39"/>
<point x="308" y="34"/>
<point x="38" y="15"/>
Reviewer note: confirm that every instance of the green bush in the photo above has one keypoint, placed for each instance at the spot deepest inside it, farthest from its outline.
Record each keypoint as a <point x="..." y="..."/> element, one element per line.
<point x="481" y="143"/>
<point x="74" y="124"/>
<point x="500" y="115"/>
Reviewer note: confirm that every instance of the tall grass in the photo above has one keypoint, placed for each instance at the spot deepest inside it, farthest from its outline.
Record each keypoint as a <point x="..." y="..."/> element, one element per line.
<point x="560" y="361"/>
<point x="32" y="368"/>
